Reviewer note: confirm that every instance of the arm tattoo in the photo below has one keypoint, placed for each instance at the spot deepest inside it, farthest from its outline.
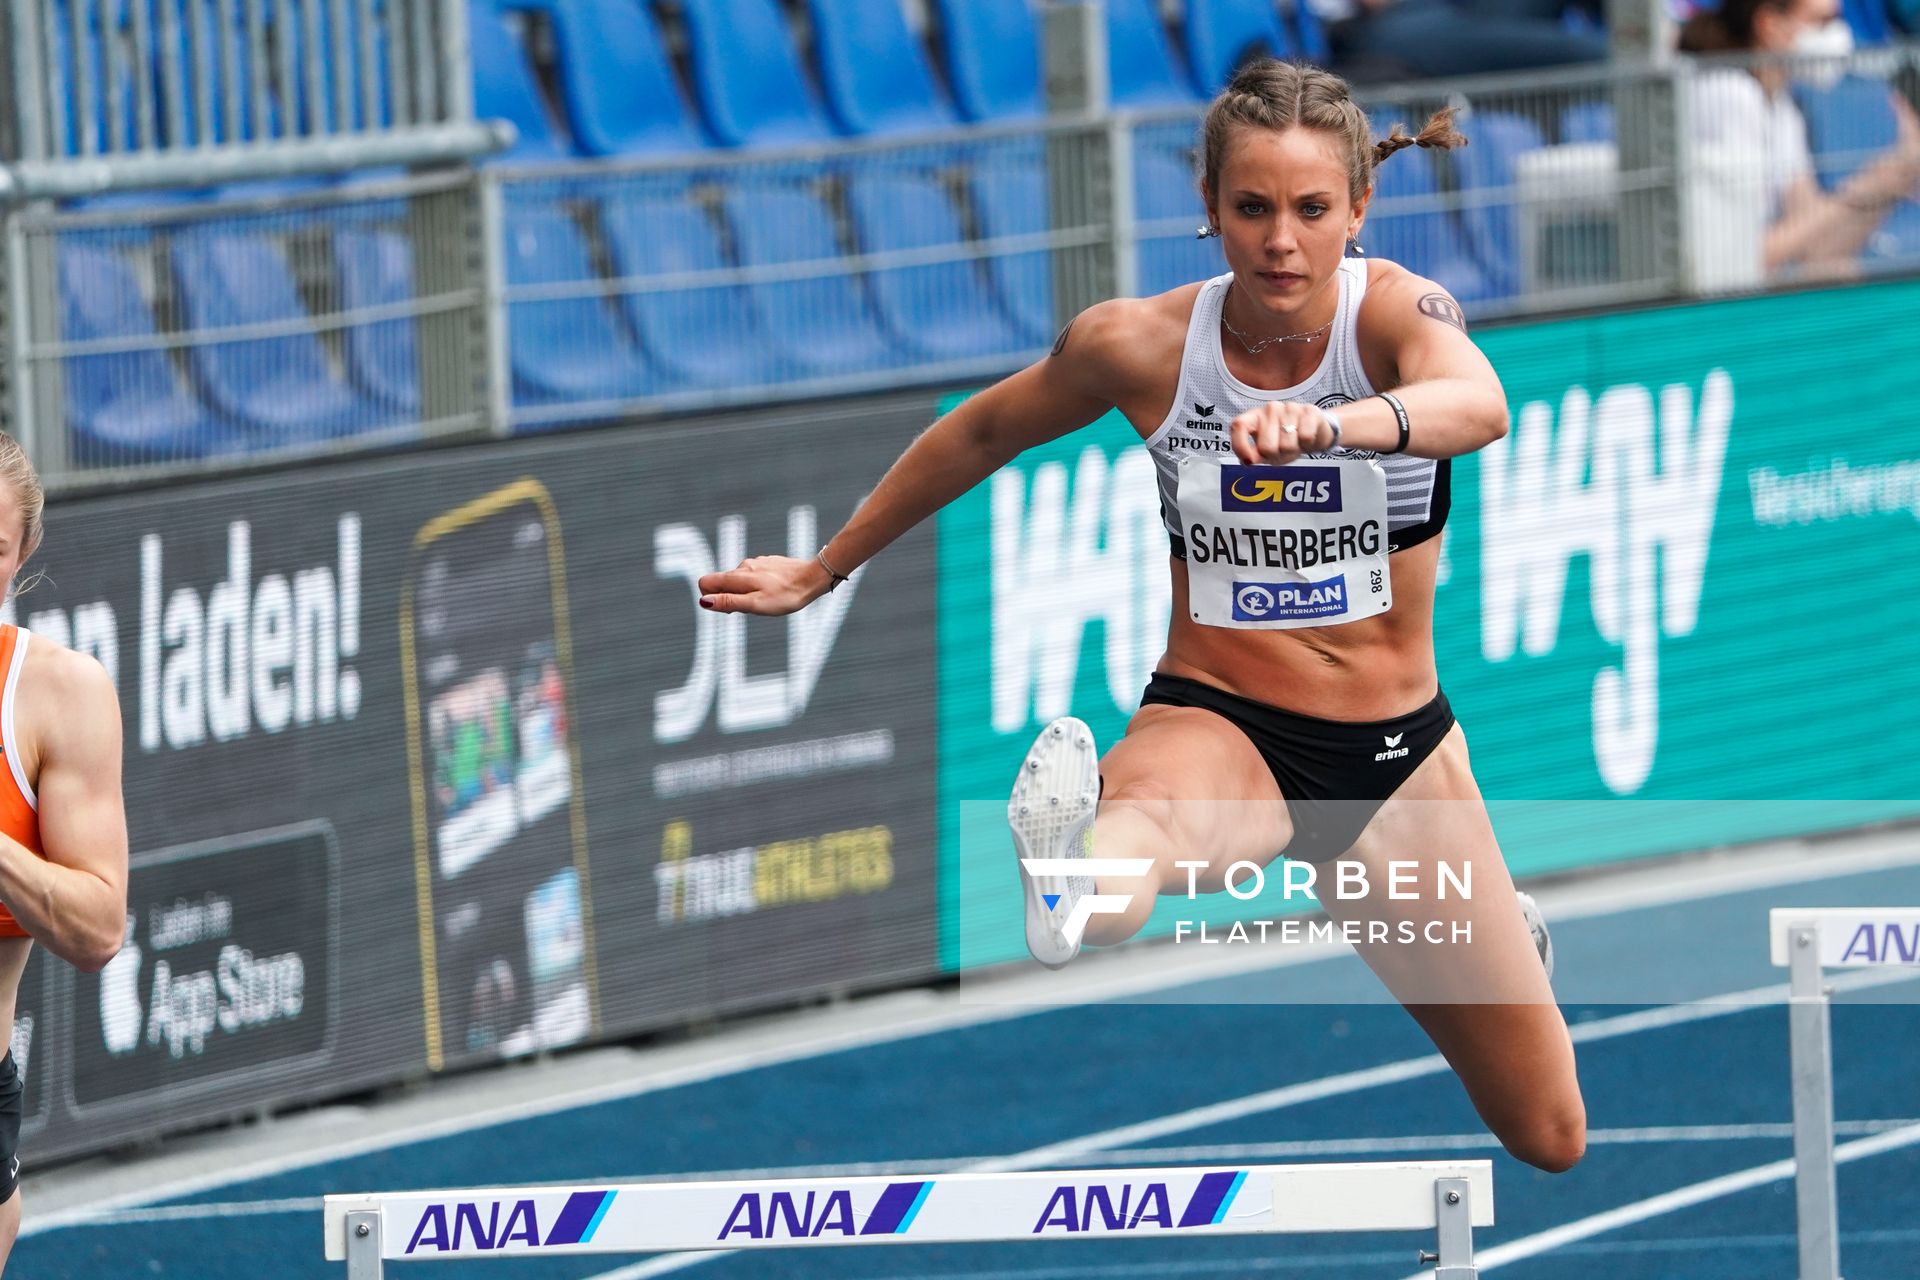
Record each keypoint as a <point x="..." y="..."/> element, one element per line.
<point x="1060" y="343"/>
<point x="1444" y="309"/>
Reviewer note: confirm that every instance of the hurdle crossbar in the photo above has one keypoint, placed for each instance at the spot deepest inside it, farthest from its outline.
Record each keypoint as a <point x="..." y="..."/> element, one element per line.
<point x="1806" y="941"/>
<point x="1448" y="1198"/>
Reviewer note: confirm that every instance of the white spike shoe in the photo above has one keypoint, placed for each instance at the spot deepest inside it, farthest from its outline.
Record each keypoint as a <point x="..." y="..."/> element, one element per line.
<point x="1537" y="926"/>
<point x="1051" y="813"/>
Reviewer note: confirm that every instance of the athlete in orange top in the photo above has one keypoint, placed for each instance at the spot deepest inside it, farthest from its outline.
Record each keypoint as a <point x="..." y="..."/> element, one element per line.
<point x="63" y="830"/>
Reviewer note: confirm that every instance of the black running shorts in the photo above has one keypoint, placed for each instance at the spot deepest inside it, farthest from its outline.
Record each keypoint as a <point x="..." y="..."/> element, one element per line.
<point x="1335" y="774"/>
<point x="11" y="1090"/>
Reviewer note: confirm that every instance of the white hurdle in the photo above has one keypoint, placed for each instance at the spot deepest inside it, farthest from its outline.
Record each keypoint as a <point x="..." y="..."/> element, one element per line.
<point x="1447" y="1198"/>
<point x="1806" y="941"/>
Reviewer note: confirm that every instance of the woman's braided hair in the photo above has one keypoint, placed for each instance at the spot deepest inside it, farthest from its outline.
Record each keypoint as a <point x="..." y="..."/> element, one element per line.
<point x="1268" y="94"/>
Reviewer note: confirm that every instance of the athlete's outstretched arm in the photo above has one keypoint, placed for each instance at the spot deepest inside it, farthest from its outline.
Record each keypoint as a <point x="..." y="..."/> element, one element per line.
<point x="1060" y="394"/>
<point x="74" y="900"/>
<point x="1452" y="396"/>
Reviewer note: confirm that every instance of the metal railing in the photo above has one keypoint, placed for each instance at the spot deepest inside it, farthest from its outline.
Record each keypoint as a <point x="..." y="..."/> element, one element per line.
<point x="1760" y="210"/>
<point x="815" y="271"/>
<point x="185" y="331"/>
<point x="520" y="298"/>
<point x="110" y="95"/>
<point x="208" y="334"/>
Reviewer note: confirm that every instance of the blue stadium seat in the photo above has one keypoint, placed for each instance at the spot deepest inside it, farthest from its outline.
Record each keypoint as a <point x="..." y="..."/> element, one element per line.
<point x="822" y="325"/>
<point x="1010" y="199"/>
<point x="747" y="75"/>
<point x="376" y="269"/>
<point x="128" y="407"/>
<point x="1487" y="166"/>
<point x="351" y="113"/>
<point x="707" y="338"/>
<point x="993" y="58"/>
<point x="1871" y="23"/>
<point x="567" y="350"/>
<point x="216" y="129"/>
<point x="937" y="312"/>
<point x="1164" y="188"/>
<point x="78" y="100"/>
<point x="1587" y="122"/>
<point x="1426" y="241"/>
<point x="282" y="387"/>
<point x="332" y="110"/>
<point x="1848" y="127"/>
<point x="875" y="73"/>
<point x="1309" y="36"/>
<point x="1141" y="61"/>
<point x="1221" y="34"/>
<point x="617" y="83"/>
<point x="504" y="87"/>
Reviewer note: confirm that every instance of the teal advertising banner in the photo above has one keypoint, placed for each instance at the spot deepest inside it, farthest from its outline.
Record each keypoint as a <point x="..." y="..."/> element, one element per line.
<point x="1678" y="582"/>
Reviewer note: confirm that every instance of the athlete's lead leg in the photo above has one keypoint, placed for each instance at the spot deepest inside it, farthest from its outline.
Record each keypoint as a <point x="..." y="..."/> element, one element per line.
<point x="1183" y="785"/>
<point x="1486" y="1003"/>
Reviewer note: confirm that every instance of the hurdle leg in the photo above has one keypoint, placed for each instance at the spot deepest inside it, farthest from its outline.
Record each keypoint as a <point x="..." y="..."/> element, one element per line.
<point x="1453" y="1213"/>
<point x="1812" y="1052"/>
<point x="363" y="1247"/>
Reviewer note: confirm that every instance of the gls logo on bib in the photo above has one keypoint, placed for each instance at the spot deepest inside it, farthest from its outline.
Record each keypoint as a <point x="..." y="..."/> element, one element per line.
<point x="1279" y="488"/>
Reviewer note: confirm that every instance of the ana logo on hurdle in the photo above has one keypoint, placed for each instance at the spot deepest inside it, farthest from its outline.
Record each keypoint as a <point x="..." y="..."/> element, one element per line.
<point x="1446" y="1198"/>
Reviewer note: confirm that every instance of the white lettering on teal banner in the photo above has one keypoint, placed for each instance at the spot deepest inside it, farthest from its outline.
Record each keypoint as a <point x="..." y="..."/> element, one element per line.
<point x="1061" y="561"/>
<point x="1602" y="483"/>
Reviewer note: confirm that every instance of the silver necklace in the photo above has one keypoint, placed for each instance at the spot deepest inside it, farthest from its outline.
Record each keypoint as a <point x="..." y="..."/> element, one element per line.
<point x="1254" y="348"/>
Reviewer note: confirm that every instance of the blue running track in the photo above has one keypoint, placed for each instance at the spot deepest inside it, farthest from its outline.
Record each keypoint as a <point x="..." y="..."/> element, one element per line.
<point x="1688" y="1106"/>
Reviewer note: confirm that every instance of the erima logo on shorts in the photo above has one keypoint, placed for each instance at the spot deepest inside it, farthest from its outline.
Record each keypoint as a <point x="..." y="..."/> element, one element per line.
<point x="1267" y="601"/>
<point x="1394" y="750"/>
<point x="1279" y="488"/>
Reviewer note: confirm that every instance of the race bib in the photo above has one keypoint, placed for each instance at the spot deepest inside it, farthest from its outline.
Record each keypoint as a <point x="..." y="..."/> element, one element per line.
<point x="1275" y="548"/>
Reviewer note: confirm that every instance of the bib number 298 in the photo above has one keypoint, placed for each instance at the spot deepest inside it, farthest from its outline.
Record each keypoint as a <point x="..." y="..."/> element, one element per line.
<point x="1375" y="582"/>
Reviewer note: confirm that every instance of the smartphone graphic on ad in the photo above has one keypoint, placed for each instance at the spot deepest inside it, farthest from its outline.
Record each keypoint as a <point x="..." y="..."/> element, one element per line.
<point x="506" y="935"/>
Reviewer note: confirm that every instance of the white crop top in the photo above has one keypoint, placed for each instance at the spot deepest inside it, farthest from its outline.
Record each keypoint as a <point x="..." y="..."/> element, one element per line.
<point x="1209" y="398"/>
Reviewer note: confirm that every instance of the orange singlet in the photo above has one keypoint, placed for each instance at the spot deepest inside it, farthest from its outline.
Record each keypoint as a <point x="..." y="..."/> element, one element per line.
<point x="19" y="810"/>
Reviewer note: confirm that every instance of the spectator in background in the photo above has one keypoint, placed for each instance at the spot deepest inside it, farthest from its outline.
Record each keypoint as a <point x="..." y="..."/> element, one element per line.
<point x="1376" y="40"/>
<point x="1751" y="114"/>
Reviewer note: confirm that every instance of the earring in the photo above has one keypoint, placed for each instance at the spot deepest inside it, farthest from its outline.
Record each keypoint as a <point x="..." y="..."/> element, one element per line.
<point x="1205" y="233"/>
<point x="1353" y="248"/>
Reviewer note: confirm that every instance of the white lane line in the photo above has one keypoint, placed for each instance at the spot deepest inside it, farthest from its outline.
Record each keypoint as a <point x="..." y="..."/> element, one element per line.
<point x="1407" y="1069"/>
<point x="197" y="1212"/>
<point x="1313" y="1091"/>
<point x="1686" y="1197"/>
<point x="1313" y="1149"/>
